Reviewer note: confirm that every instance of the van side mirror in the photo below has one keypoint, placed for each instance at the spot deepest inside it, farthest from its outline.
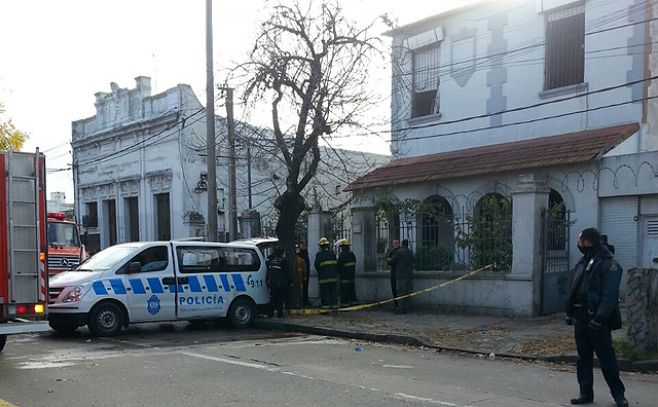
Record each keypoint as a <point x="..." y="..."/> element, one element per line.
<point x="135" y="267"/>
<point x="655" y="260"/>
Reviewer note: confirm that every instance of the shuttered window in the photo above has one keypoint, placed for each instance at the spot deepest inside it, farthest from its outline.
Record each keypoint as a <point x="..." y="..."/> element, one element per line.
<point x="425" y="100"/>
<point x="565" y="47"/>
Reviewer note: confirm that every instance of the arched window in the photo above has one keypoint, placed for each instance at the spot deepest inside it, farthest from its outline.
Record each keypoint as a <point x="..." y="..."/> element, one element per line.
<point x="557" y="223"/>
<point x="489" y="236"/>
<point x="436" y="235"/>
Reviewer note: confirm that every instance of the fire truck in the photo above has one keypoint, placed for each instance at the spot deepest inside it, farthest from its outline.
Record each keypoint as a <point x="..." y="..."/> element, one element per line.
<point x="64" y="249"/>
<point x="23" y="247"/>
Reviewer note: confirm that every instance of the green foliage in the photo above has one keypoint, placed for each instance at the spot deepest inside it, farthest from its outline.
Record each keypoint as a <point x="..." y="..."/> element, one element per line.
<point x="489" y="234"/>
<point x="10" y="137"/>
<point x="625" y="351"/>
<point x="433" y="258"/>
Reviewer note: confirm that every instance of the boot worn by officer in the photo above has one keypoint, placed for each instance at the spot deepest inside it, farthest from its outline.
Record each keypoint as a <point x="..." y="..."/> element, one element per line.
<point x="583" y="399"/>
<point x="621" y="401"/>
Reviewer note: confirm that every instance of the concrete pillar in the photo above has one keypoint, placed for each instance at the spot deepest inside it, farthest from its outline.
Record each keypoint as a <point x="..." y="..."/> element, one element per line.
<point x="642" y="309"/>
<point x="364" y="239"/>
<point x="318" y="224"/>
<point x="529" y="198"/>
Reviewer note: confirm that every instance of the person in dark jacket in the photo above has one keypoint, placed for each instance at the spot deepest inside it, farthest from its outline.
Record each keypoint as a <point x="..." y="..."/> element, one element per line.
<point x="346" y="272"/>
<point x="303" y="253"/>
<point x="326" y="266"/>
<point x="394" y="286"/>
<point x="593" y="310"/>
<point x="277" y="280"/>
<point x="402" y="261"/>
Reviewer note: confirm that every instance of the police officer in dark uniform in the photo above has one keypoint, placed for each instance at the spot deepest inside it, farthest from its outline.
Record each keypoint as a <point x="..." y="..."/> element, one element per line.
<point x="346" y="272"/>
<point x="277" y="280"/>
<point x="326" y="266"/>
<point x="593" y="308"/>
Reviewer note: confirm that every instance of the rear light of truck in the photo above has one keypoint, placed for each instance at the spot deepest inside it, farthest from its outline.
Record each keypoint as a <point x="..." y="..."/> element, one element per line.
<point x="25" y="309"/>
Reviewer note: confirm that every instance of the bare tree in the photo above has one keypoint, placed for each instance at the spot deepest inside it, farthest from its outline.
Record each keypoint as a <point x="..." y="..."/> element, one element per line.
<point x="309" y="63"/>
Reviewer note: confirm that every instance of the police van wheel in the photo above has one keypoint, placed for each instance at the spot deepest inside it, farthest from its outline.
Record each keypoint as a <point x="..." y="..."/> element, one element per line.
<point x="63" y="327"/>
<point x="242" y="313"/>
<point x="3" y="340"/>
<point x="105" y="319"/>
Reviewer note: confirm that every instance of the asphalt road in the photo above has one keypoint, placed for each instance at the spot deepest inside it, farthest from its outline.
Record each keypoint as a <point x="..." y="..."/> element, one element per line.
<point x="176" y="365"/>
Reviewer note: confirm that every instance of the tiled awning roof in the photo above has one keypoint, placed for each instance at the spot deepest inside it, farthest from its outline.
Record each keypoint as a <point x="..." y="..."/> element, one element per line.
<point x="542" y="152"/>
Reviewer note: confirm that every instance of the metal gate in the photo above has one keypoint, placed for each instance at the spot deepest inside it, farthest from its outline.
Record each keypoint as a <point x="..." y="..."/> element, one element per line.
<point x="555" y="260"/>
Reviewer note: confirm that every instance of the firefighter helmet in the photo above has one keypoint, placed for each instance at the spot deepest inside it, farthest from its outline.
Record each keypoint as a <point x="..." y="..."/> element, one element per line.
<point x="343" y="242"/>
<point x="324" y="241"/>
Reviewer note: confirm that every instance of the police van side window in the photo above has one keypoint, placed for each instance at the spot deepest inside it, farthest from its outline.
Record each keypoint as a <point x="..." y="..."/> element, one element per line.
<point x="201" y="259"/>
<point x="239" y="259"/>
<point x="152" y="259"/>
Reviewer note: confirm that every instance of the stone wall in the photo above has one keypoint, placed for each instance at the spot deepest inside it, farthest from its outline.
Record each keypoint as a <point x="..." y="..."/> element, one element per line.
<point x="642" y="307"/>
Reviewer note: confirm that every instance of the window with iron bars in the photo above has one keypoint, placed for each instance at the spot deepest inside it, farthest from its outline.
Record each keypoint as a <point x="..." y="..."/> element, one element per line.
<point x="565" y="47"/>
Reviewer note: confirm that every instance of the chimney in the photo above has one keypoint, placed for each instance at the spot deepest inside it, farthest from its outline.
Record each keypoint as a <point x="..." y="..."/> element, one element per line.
<point x="143" y="84"/>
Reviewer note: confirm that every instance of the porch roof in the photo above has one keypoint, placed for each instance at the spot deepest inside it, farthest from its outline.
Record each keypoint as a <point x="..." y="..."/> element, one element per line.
<point x="571" y="148"/>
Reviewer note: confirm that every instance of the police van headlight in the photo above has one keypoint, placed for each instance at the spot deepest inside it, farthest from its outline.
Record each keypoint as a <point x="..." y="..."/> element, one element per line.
<point x="73" y="294"/>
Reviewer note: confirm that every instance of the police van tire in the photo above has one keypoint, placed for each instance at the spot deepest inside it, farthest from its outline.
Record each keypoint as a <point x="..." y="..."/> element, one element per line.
<point x="106" y="319"/>
<point x="3" y="340"/>
<point x="63" y="327"/>
<point x="241" y="313"/>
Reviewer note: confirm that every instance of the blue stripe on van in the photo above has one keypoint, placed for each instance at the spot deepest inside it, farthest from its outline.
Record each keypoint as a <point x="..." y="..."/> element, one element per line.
<point x="117" y="286"/>
<point x="239" y="284"/>
<point x="99" y="288"/>
<point x="156" y="287"/>
<point x="211" y="283"/>
<point x="225" y="284"/>
<point x="137" y="285"/>
<point x="195" y="287"/>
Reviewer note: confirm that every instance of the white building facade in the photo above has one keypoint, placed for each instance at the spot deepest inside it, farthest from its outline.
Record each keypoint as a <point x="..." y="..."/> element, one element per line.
<point x="541" y="106"/>
<point x="140" y="169"/>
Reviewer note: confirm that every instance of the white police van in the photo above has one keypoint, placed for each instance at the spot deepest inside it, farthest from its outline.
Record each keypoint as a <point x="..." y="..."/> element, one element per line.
<point x="160" y="281"/>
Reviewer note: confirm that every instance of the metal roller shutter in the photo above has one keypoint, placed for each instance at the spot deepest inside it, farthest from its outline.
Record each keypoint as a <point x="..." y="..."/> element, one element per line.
<point x="617" y="220"/>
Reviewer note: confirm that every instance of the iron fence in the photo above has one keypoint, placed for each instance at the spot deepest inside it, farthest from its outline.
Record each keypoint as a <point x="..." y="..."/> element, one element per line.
<point x="446" y="243"/>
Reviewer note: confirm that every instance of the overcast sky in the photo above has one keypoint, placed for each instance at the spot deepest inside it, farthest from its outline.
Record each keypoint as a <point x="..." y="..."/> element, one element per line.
<point x="56" y="54"/>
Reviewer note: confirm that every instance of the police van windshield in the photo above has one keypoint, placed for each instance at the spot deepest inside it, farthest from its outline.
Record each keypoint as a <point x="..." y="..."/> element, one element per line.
<point x="107" y="258"/>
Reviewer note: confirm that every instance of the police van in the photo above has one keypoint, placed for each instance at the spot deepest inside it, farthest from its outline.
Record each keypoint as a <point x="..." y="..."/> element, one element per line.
<point x="157" y="282"/>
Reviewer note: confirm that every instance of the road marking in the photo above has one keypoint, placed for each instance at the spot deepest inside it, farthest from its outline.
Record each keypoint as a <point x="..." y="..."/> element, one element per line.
<point x="398" y="366"/>
<point x="241" y="363"/>
<point x="427" y="400"/>
<point x="6" y="404"/>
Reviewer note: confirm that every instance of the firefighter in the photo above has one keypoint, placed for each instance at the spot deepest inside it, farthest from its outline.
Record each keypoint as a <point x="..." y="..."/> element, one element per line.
<point x="277" y="281"/>
<point x="346" y="272"/>
<point x="325" y="265"/>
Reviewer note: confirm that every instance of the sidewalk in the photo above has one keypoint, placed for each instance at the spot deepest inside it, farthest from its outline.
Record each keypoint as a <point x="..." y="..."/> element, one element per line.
<point x="543" y="338"/>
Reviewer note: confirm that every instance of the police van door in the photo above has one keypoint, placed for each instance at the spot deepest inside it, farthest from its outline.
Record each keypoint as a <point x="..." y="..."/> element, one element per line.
<point x="203" y="289"/>
<point x="151" y="290"/>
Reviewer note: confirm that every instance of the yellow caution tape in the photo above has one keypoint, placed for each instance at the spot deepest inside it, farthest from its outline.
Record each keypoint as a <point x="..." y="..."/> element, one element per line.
<point x="6" y="404"/>
<point x="315" y="311"/>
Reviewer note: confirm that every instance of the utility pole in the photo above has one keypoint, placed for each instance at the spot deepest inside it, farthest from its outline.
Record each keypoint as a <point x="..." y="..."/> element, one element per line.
<point x="232" y="182"/>
<point x="210" y="129"/>
<point x="251" y="204"/>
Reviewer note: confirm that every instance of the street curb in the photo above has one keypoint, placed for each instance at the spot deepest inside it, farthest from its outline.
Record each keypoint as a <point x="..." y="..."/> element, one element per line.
<point x="649" y="366"/>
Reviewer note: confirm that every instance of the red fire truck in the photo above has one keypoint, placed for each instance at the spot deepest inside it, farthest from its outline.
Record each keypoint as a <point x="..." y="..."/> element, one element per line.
<point x="23" y="248"/>
<point x="64" y="249"/>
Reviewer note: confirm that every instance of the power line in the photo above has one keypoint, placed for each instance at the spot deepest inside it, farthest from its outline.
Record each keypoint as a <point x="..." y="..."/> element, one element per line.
<point x="556" y="116"/>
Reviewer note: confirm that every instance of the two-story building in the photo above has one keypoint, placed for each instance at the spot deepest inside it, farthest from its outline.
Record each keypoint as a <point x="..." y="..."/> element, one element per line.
<point x="140" y="170"/>
<point x="515" y="125"/>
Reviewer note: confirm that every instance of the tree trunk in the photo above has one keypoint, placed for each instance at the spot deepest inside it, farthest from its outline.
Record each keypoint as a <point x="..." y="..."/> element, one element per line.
<point x="290" y="206"/>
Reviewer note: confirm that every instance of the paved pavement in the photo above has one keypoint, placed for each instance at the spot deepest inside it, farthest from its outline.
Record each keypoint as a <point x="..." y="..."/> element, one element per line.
<point x="544" y="338"/>
<point x="177" y="366"/>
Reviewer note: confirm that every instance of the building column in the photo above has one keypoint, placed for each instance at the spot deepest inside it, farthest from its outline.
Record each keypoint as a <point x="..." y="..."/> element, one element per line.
<point x="364" y="241"/>
<point x="530" y="197"/>
<point x="318" y="224"/>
